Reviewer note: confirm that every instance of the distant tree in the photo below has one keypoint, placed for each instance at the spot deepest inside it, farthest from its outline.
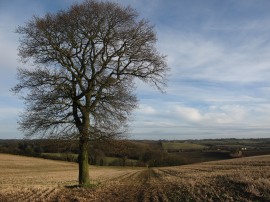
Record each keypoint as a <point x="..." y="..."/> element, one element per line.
<point x="121" y="148"/>
<point x="83" y="64"/>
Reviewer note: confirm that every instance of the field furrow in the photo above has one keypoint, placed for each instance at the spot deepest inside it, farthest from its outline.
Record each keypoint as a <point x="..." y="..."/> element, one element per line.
<point x="245" y="179"/>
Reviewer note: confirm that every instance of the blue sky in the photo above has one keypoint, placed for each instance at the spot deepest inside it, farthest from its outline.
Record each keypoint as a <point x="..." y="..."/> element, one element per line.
<point x="219" y="55"/>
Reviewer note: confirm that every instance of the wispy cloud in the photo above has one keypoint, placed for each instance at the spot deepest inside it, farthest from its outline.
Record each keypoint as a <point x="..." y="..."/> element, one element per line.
<point x="193" y="56"/>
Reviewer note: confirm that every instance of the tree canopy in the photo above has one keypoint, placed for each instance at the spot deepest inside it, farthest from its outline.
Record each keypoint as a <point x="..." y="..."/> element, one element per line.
<point x="82" y="65"/>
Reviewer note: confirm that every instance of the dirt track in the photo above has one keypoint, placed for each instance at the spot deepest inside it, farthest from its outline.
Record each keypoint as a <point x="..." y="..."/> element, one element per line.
<point x="246" y="179"/>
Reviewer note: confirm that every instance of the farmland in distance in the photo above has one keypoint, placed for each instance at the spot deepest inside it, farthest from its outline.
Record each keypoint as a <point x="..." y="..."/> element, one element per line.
<point x="34" y="179"/>
<point x="140" y="153"/>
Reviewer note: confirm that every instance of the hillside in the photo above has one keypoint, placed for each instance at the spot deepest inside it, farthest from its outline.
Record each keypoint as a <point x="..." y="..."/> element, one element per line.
<point x="34" y="179"/>
<point x="141" y="153"/>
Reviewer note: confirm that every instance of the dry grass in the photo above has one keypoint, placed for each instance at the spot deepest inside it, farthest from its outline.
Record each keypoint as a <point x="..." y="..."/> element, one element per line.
<point x="32" y="179"/>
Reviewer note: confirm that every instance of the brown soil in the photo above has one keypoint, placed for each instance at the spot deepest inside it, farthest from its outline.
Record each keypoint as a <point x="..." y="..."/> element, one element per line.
<point x="33" y="179"/>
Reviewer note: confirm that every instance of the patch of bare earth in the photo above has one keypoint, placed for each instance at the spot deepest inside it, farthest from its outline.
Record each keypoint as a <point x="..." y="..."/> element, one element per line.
<point x="31" y="179"/>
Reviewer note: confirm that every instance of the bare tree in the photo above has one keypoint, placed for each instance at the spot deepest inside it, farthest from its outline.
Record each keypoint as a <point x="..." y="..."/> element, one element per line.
<point x="83" y="62"/>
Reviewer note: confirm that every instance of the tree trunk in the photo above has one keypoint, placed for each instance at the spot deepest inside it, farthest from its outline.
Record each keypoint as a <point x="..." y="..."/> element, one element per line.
<point x="84" y="178"/>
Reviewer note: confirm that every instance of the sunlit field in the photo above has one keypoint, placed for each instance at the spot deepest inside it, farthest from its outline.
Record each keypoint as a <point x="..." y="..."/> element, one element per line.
<point x="34" y="179"/>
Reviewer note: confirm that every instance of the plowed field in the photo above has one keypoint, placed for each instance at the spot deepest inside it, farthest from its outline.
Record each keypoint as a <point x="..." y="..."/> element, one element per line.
<point x="33" y="179"/>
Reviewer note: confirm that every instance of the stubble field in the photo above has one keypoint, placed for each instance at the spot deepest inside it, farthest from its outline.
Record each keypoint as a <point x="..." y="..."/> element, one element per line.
<point x="33" y="179"/>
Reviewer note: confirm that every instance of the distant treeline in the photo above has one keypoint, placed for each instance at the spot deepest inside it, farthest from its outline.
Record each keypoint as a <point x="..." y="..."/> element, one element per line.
<point x="110" y="152"/>
<point x="139" y="152"/>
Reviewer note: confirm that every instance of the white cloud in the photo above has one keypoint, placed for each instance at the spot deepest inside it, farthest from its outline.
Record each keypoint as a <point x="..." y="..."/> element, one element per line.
<point x="146" y="109"/>
<point x="217" y="115"/>
<point x="188" y="113"/>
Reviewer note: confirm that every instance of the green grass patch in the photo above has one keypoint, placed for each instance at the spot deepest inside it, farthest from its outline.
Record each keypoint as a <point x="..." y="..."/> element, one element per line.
<point x="60" y="156"/>
<point x="181" y="146"/>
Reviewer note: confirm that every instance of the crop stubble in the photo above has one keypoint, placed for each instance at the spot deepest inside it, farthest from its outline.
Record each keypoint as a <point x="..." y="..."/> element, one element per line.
<point x="33" y="179"/>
